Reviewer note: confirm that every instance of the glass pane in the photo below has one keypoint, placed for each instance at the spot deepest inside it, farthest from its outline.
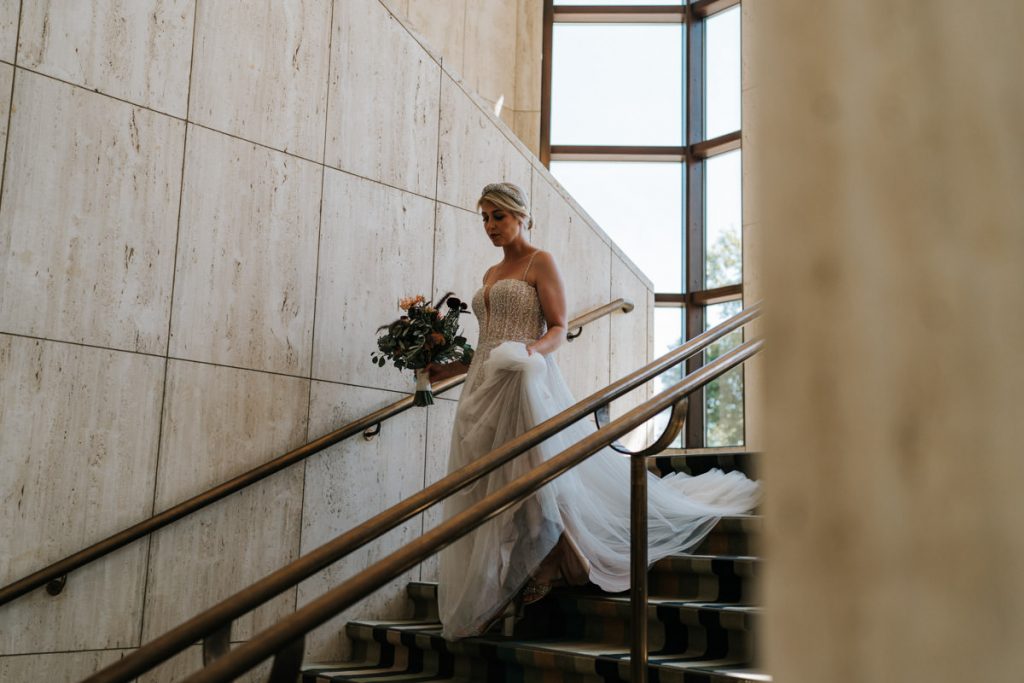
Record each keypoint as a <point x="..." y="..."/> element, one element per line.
<point x="723" y="398"/>
<point x="722" y="73"/>
<point x="617" y="84"/>
<point x="639" y="205"/>
<point x="723" y="220"/>
<point x="668" y="334"/>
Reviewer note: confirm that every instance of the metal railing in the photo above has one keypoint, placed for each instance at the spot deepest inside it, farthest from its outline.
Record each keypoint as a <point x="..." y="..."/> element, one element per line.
<point x="285" y="640"/>
<point x="54" y="576"/>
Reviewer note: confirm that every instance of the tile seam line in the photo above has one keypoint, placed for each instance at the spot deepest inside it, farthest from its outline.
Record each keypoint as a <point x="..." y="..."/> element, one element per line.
<point x="10" y="104"/>
<point x="167" y="347"/>
<point x="235" y="136"/>
<point x="203" y="362"/>
<point x="316" y="281"/>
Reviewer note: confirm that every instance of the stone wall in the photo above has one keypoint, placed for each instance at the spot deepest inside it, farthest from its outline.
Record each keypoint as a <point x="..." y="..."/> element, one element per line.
<point x="886" y="155"/>
<point x="496" y="46"/>
<point x="206" y="210"/>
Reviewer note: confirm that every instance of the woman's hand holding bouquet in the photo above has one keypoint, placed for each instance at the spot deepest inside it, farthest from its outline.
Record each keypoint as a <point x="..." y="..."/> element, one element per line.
<point x="425" y="340"/>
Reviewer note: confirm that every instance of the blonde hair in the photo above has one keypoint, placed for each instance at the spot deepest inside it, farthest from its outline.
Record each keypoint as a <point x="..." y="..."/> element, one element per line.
<point x="510" y="197"/>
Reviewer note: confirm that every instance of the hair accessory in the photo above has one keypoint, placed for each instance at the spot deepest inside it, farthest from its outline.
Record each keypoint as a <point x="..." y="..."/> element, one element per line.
<point x="510" y="190"/>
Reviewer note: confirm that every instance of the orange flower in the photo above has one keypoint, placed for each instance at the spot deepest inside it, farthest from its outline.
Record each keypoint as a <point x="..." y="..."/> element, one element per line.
<point x="408" y="302"/>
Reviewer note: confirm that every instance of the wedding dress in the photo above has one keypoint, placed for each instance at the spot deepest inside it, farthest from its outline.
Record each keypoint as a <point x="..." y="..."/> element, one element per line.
<point x="507" y="391"/>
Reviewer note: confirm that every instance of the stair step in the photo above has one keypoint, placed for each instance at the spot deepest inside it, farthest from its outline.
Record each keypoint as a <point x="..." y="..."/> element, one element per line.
<point x="700" y="461"/>
<point x="734" y="536"/>
<point x="415" y="651"/>
<point x="713" y="578"/>
<point x="705" y="578"/>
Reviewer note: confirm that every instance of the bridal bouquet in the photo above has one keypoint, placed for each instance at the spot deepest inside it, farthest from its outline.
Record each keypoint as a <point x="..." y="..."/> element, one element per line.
<point x="423" y="336"/>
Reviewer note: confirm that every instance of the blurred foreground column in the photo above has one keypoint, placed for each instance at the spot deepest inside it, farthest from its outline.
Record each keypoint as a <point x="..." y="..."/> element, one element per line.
<point x="886" y="143"/>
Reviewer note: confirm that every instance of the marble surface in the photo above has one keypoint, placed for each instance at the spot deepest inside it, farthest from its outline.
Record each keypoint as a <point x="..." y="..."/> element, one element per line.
<point x="473" y="151"/>
<point x="385" y="134"/>
<point x="245" y="282"/>
<point x="138" y="51"/>
<point x="346" y="485"/>
<point x="76" y="424"/>
<point x="88" y="218"/>
<point x="376" y="246"/>
<point x="260" y="72"/>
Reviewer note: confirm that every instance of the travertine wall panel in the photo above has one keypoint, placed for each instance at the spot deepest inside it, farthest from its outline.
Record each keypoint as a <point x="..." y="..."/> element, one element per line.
<point x="376" y="247"/>
<point x="6" y="82"/>
<point x="138" y="51"/>
<point x="440" y="422"/>
<point x="893" y="513"/>
<point x="59" y="667"/>
<point x="389" y="139"/>
<point x="562" y="231"/>
<point x="77" y="424"/>
<point x="526" y="125"/>
<point x="185" y="663"/>
<point x="244" y="288"/>
<point x="260" y="72"/>
<point x="443" y="24"/>
<point x="88" y="216"/>
<point x="630" y="343"/>
<point x="346" y="485"/>
<point x="489" y="64"/>
<point x="9" y="10"/>
<point x="462" y="254"/>
<point x="529" y="50"/>
<point x="89" y="235"/>
<point x="473" y="151"/>
<point x="494" y="48"/>
<point x="210" y="436"/>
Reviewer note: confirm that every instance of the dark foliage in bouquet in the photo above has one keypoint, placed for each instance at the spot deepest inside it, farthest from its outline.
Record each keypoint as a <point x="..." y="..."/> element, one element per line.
<point x="426" y="334"/>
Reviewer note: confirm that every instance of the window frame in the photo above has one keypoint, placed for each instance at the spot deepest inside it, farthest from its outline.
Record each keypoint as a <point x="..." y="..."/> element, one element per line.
<point x="692" y="154"/>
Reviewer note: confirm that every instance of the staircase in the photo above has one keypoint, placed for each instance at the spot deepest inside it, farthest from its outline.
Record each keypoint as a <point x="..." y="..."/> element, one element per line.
<point x="702" y="620"/>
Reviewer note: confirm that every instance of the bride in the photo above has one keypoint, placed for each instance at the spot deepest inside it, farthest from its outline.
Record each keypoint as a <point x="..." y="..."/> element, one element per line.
<point x="576" y="528"/>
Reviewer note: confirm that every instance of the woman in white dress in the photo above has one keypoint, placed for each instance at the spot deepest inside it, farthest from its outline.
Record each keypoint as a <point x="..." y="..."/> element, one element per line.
<point x="576" y="528"/>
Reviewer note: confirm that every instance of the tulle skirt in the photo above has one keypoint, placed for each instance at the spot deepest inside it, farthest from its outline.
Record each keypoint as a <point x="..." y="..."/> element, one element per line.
<point x="481" y="572"/>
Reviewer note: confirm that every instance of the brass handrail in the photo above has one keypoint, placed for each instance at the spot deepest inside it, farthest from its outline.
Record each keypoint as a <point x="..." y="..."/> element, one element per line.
<point x="54" y="575"/>
<point x="213" y="621"/>
<point x="288" y="635"/>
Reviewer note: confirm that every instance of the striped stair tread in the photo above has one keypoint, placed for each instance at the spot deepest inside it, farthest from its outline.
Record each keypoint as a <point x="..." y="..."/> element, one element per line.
<point x="706" y="578"/>
<point x="699" y="462"/>
<point x="735" y="535"/>
<point x="591" y="613"/>
<point x="415" y="651"/>
<point x="713" y="578"/>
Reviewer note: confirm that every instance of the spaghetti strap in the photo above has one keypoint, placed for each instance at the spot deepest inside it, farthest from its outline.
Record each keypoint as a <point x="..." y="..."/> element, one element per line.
<point x="525" y="272"/>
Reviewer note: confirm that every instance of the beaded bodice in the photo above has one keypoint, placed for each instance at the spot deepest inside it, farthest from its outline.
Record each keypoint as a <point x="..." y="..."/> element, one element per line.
<point x="509" y="312"/>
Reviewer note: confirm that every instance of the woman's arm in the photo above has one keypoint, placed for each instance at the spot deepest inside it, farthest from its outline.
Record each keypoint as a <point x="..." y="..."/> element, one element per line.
<point x="551" y="291"/>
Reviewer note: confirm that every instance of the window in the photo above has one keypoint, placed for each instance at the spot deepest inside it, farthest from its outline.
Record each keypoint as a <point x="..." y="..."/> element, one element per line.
<point x="641" y="122"/>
